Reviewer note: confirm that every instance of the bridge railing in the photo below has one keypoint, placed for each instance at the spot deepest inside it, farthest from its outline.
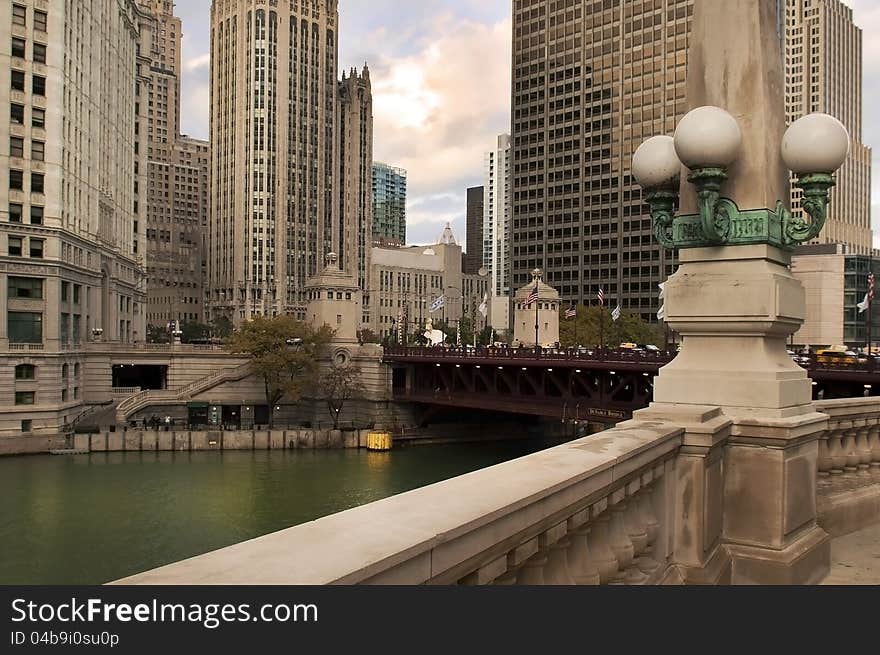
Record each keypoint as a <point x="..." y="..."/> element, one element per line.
<point x="546" y="354"/>
<point x="597" y="510"/>
<point x="851" y="445"/>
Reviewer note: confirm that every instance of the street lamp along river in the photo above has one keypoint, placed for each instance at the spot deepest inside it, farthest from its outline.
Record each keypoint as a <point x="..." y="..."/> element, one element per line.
<point x="708" y="141"/>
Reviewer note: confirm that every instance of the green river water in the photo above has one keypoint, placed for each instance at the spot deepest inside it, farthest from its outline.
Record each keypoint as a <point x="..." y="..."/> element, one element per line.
<point x="90" y="519"/>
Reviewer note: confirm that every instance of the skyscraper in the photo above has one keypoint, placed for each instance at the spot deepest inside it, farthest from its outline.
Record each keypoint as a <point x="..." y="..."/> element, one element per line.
<point x="473" y="260"/>
<point x="275" y="155"/>
<point x="72" y="202"/>
<point x="823" y="57"/>
<point x="496" y="216"/>
<point x="389" y="205"/>
<point x="355" y="176"/>
<point x="591" y="81"/>
<point x="177" y="193"/>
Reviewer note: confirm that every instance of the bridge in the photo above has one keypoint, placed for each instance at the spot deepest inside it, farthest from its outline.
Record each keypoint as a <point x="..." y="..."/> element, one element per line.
<point x="572" y="384"/>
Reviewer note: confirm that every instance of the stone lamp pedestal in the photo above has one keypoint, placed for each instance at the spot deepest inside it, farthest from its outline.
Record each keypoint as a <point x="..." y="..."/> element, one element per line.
<point x="735" y="307"/>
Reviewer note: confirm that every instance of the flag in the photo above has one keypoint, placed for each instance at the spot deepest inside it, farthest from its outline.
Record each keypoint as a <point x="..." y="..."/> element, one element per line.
<point x="571" y="312"/>
<point x="661" y="313"/>
<point x="871" y="286"/>
<point x="863" y="306"/>
<point x="616" y="313"/>
<point x="533" y="296"/>
<point x="601" y="297"/>
<point x="437" y="304"/>
<point x="484" y="307"/>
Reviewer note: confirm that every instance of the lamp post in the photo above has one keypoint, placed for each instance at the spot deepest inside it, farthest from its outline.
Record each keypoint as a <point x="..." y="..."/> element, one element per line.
<point x="707" y="141"/>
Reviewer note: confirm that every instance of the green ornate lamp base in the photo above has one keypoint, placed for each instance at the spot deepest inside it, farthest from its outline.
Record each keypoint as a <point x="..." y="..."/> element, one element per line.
<point x="721" y="223"/>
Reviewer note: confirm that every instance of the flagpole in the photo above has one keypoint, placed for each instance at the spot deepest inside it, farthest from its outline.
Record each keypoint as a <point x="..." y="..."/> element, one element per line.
<point x="870" y="301"/>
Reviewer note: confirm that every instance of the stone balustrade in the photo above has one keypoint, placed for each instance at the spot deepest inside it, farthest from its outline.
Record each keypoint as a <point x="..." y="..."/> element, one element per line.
<point x="599" y="510"/>
<point x="848" y="486"/>
<point x="851" y="445"/>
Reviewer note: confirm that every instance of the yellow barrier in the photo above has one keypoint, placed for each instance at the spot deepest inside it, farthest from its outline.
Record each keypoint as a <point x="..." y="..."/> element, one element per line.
<point x="379" y="441"/>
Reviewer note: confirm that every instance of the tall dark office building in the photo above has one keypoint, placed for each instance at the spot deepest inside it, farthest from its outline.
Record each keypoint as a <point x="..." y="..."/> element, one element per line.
<point x="591" y="80"/>
<point x="473" y="260"/>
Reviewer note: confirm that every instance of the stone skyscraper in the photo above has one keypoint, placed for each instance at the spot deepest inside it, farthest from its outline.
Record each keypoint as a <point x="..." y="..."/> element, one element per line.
<point x="177" y="195"/>
<point x="73" y="198"/>
<point x="276" y="119"/>
<point x="823" y="72"/>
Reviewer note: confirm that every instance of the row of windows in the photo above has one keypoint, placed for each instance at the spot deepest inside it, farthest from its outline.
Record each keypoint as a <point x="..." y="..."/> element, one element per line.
<point x="20" y="45"/>
<point x="38" y="116"/>
<point x="16" y="214"/>
<point x="16" y="247"/>
<point x="38" y="83"/>
<point x="16" y="148"/>
<point x="16" y="181"/>
<point x="19" y="17"/>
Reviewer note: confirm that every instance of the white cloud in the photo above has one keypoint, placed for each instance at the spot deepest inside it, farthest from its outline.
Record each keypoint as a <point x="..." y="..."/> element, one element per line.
<point x="200" y="61"/>
<point x="438" y="110"/>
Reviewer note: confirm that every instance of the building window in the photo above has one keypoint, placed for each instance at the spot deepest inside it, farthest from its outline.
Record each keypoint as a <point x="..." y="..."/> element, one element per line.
<point x="38" y="151"/>
<point x="37" y="183"/>
<point x="76" y="371"/>
<point x="19" y="15"/>
<point x="26" y="287"/>
<point x="16" y="179"/>
<point x="39" y="53"/>
<point x="36" y="215"/>
<point x="16" y="113"/>
<point x="17" y="81"/>
<point x="76" y="290"/>
<point x="25" y="372"/>
<point x="65" y="370"/>
<point x="25" y="397"/>
<point x="18" y="47"/>
<point x="16" y="146"/>
<point x="15" y="212"/>
<point x="41" y="21"/>
<point x="39" y="85"/>
<point x="76" y="392"/>
<point x="64" y="395"/>
<point x="38" y="117"/>
<point x="27" y="425"/>
<point x="65" y="287"/>
<point x="15" y="246"/>
<point x="36" y="248"/>
<point x="25" y="327"/>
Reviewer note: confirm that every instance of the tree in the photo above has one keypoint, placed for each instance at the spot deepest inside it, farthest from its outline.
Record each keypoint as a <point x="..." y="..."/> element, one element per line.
<point x="221" y="327"/>
<point x="194" y="331"/>
<point x="594" y="324"/>
<point x="366" y="335"/>
<point x="284" y="353"/>
<point x="339" y="384"/>
<point x="157" y="334"/>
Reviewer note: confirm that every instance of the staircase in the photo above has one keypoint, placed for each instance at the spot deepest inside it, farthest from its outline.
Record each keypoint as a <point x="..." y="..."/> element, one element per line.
<point x="138" y="401"/>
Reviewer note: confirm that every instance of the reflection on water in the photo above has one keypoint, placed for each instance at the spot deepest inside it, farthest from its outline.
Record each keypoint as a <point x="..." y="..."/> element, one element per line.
<point x="92" y="519"/>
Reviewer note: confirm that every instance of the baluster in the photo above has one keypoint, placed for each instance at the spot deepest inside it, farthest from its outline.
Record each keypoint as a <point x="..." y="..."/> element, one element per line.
<point x="874" y="442"/>
<point x="532" y="572"/>
<point x="635" y="528"/>
<point x="835" y="448"/>
<point x="580" y="563"/>
<point x="849" y="447"/>
<point x="557" y="571"/>
<point x="646" y="562"/>
<point x="863" y="449"/>
<point x="599" y="541"/>
<point x="824" y="460"/>
<point x="620" y="541"/>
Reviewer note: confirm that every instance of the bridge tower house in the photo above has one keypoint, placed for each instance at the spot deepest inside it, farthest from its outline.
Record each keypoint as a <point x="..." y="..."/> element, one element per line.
<point x="543" y="313"/>
<point x="335" y="299"/>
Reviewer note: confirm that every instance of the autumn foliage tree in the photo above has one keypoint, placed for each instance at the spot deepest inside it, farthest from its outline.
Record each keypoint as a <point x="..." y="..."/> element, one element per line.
<point x="284" y="353"/>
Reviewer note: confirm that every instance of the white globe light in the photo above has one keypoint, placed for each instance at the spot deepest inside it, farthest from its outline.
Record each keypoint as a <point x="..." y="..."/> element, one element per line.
<point x="655" y="163"/>
<point x="816" y="143"/>
<point x="708" y="137"/>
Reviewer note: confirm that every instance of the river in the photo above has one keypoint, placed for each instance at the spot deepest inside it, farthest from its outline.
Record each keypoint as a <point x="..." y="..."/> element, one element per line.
<point x="90" y="519"/>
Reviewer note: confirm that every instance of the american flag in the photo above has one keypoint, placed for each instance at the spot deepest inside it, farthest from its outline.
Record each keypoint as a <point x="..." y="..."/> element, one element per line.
<point x="601" y="297"/>
<point x="871" y="286"/>
<point x="533" y="296"/>
<point x="571" y="312"/>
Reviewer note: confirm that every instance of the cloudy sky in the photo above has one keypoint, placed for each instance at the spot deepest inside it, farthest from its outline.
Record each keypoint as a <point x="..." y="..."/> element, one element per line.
<point x="441" y="91"/>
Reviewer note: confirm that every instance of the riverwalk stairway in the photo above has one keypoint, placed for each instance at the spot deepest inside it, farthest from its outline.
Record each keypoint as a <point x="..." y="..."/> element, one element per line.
<point x="143" y="399"/>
